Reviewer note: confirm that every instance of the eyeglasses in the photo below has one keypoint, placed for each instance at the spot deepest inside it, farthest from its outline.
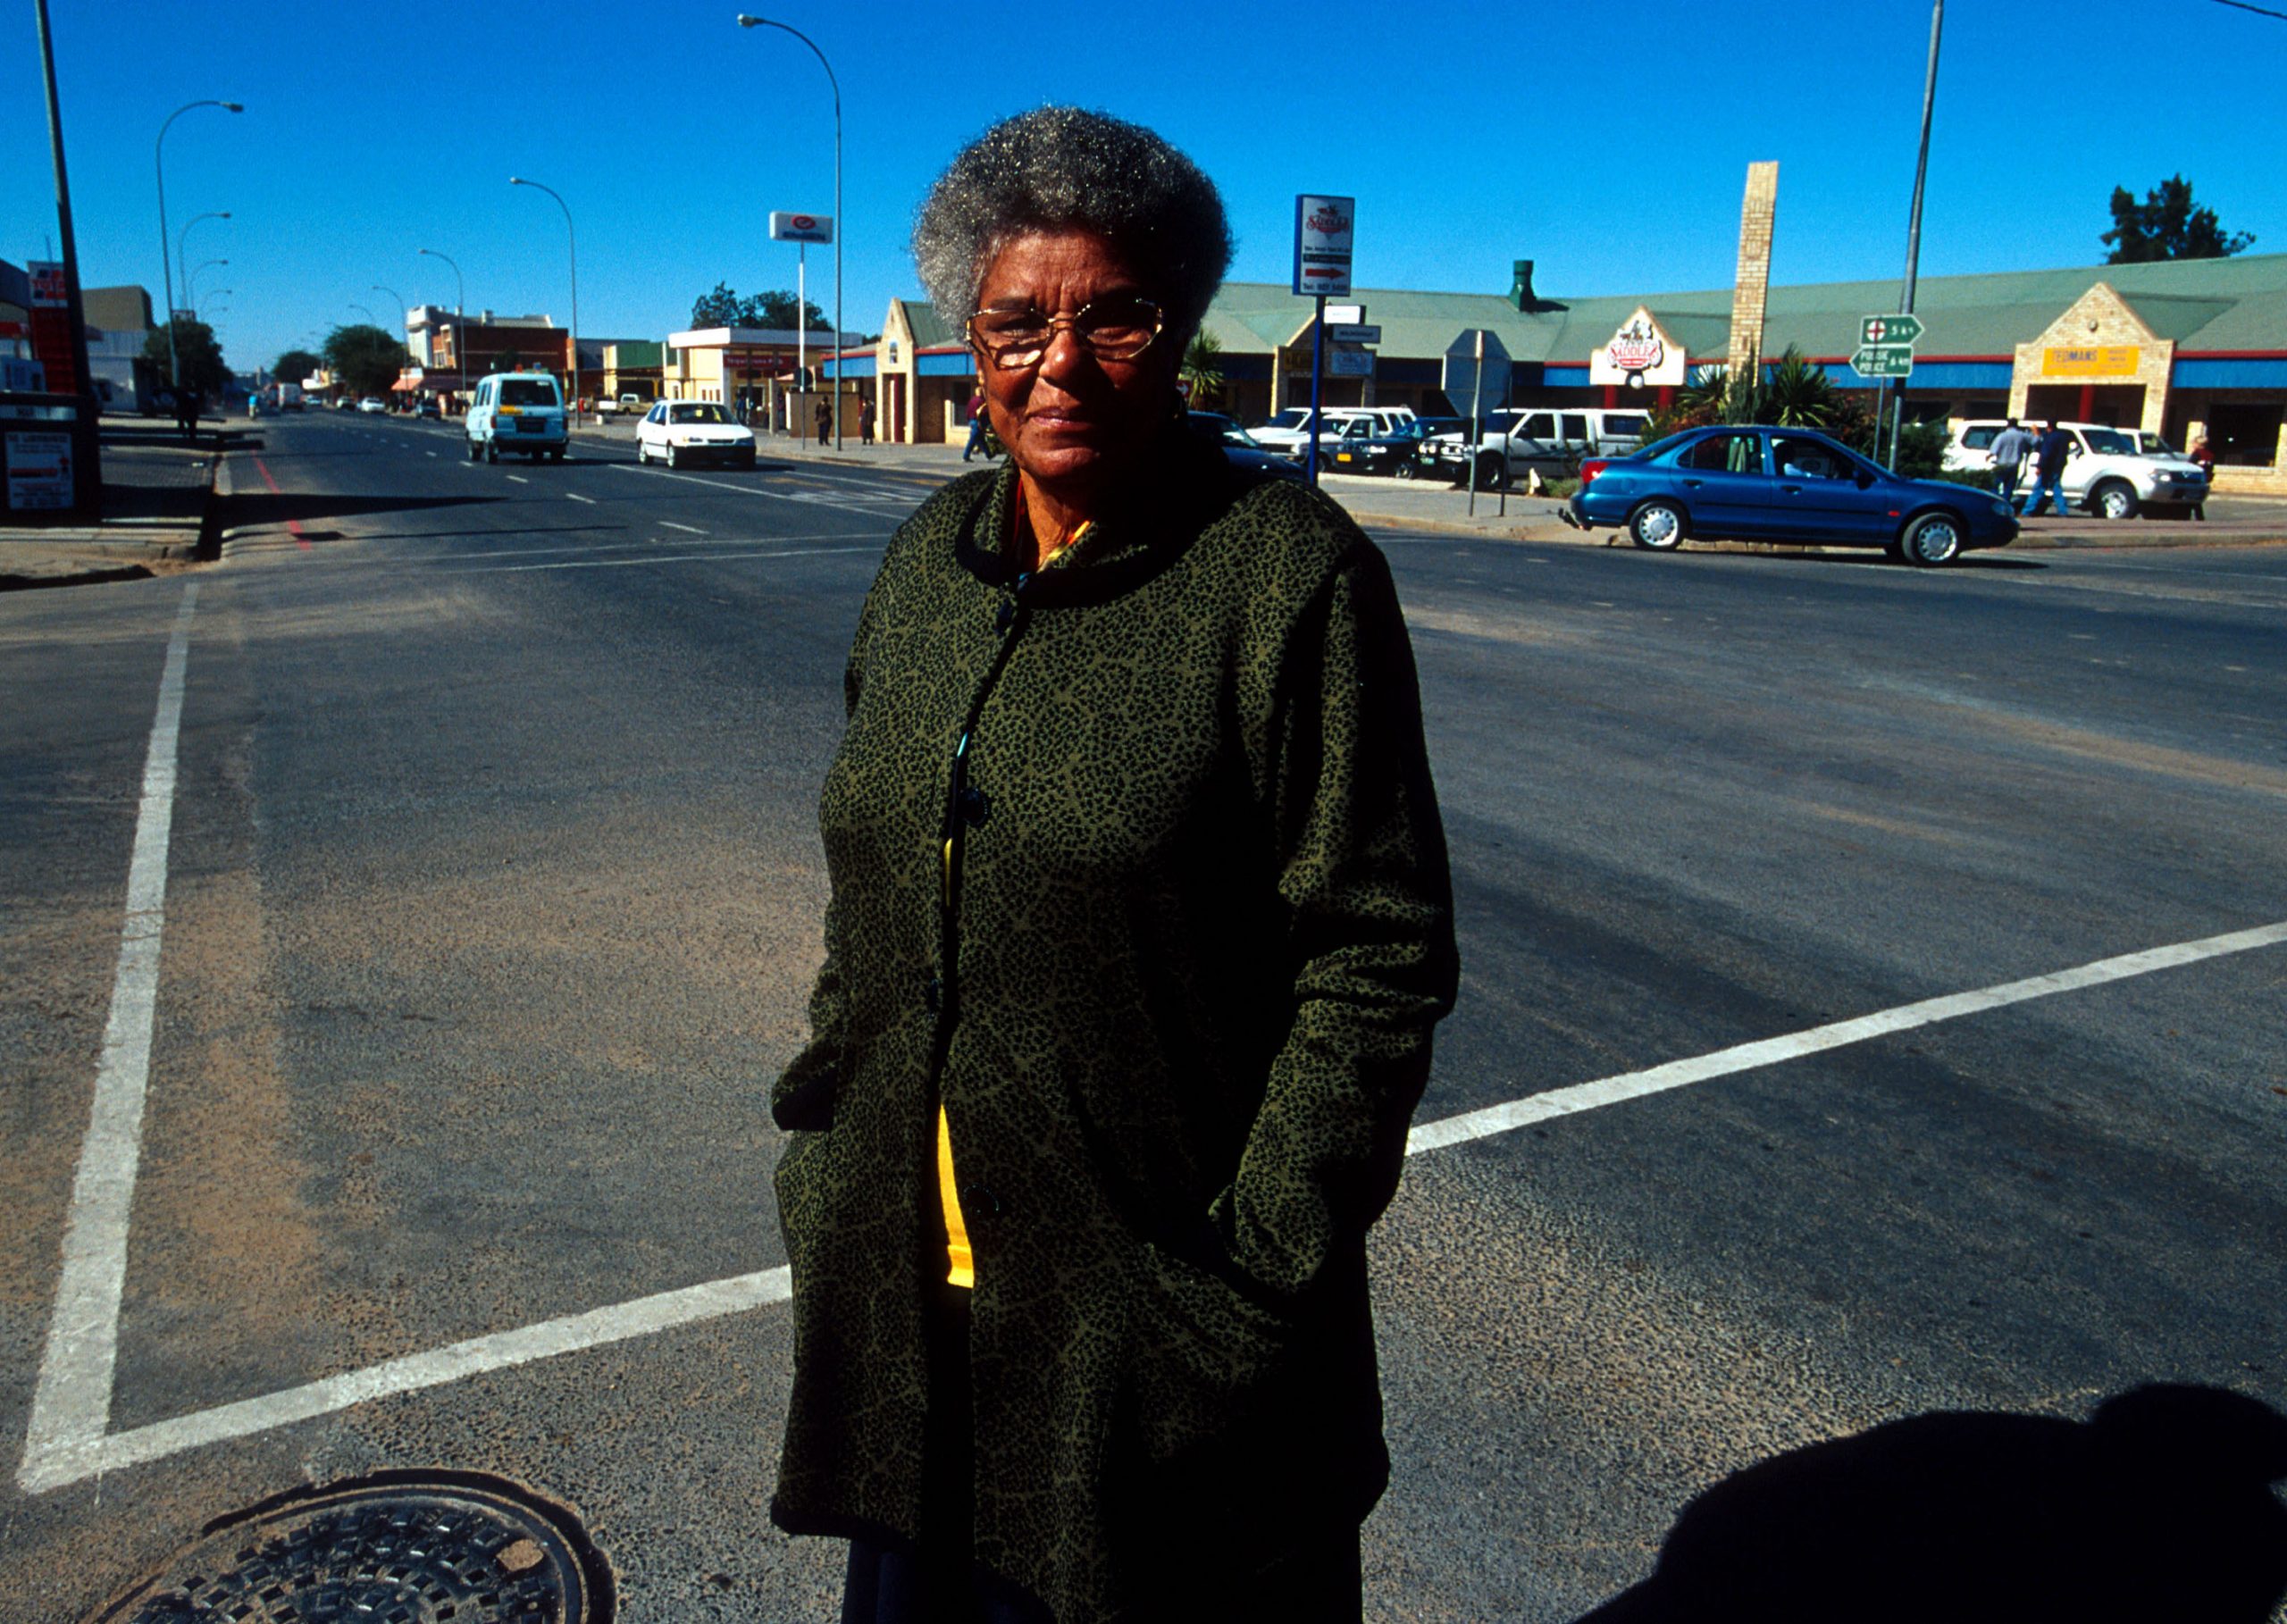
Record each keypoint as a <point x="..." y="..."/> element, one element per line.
<point x="1117" y="329"/>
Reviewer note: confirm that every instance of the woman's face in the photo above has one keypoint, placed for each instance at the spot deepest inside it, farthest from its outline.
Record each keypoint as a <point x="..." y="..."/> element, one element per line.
<point x="1075" y="424"/>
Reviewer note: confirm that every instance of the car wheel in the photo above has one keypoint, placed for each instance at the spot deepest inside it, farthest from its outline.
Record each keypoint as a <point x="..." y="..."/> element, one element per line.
<point x="1407" y="470"/>
<point x="491" y="450"/>
<point x="2113" y="500"/>
<point x="1656" y="527"/>
<point x="1931" y="539"/>
<point x="673" y="461"/>
<point x="1492" y="473"/>
<point x="556" y="456"/>
<point x="642" y="453"/>
<point x="475" y="452"/>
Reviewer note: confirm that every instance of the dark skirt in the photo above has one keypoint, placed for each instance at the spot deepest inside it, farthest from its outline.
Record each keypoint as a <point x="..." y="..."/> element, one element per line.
<point x="937" y="1582"/>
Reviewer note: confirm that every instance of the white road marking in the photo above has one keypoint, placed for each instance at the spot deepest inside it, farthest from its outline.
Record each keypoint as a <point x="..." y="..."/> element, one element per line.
<point x="518" y="478"/>
<point x="651" y="558"/>
<point x="66" y="1443"/>
<point x="671" y="524"/>
<point x="875" y="510"/>
<point x="1771" y="1051"/>
<point x="433" y="453"/>
<point x="71" y="1406"/>
<point x="576" y="497"/>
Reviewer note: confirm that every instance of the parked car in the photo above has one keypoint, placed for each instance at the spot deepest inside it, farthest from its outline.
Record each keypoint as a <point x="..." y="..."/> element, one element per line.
<point x="1239" y="447"/>
<point x="372" y="404"/>
<point x="1289" y="432"/>
<point x="2106" y="473"/>
<point x="1397" y="452"/>
<point x="1524" y="439"/>
<point x="430" y="408"/>
<point x="1759" y="483"/>
<point x="679" y="431"/>
<point x="516" y="412"/>
<point x="2148" y="444"/>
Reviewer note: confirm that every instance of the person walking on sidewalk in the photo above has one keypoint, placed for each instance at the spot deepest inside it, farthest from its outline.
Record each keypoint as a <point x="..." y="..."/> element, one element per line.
<point x="2204" y="454"/>
<point x="824" y="417"/>
<point x="866" y="422"/>
<point x="2010" y="448"/>
<point x="2049" y="456"/>
<point x="976" y="426"/>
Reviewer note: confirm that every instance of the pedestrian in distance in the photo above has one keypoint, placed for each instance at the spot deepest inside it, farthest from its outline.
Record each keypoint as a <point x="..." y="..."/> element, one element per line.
<point x="976" y="426"/>
<point x="824" y="417"/>
<point x="1128" y="986"/>
<point x="866" y="422"/>
<point x="2049" y="457"/>
<point x="2010" y="448"/>
<point x="2204" y="454"/>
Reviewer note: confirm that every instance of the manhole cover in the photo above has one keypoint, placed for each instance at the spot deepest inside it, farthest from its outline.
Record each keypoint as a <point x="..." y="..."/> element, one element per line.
<point x="395" y="1548"/>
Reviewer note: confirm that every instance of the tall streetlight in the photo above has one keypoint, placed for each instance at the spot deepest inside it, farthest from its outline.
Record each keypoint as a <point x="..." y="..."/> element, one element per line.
<point x="573" y="238"/>
<point x="460" y="321"/>
<point x="180" y="260"/>
<point x="190" y="298"/>
<point x="370" y="319"/>
<point x="404" y="309"/>
<point x="166" y="260"/>
<point x="1914" y="221"/>
<point x="840" y="226"/>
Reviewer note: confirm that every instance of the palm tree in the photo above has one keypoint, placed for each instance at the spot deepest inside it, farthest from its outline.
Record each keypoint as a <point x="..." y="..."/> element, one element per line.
<point x="1202" y="378"/>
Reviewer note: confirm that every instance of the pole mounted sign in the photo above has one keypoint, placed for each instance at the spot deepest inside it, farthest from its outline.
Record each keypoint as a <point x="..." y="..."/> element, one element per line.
<point x="785" y="227"/>
<point x="1890" y="329"/>
<point x="1883" y="361"/>
<point x="1323" y="231"/>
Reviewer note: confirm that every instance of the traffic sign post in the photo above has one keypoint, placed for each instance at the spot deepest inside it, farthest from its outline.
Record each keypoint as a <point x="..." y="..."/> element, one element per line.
<point x="1883" y="361"/>
<point x="1884" y="330"/>
<point x="1324" y="228"/>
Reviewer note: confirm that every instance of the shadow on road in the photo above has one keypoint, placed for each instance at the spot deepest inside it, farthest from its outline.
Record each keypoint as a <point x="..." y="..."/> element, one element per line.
<point x="2157" y="1507"/>
<point x="251" y="507"/>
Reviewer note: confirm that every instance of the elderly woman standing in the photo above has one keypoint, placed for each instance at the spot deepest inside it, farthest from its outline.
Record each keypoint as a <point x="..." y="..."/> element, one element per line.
<point x="1140" y="925"/>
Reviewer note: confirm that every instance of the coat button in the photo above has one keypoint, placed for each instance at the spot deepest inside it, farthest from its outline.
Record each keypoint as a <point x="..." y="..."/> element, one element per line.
<point x="979" y="1205"/>
<point x="975" y="805"/>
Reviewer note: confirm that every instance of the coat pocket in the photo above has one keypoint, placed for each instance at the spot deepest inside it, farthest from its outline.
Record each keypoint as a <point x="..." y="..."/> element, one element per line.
<point x="1204" y="1368"/>
<point x="802" y="1190"/>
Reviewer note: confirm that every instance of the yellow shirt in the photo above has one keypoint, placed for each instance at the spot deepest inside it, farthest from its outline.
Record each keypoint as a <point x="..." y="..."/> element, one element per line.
<point x="959" y="1269"/>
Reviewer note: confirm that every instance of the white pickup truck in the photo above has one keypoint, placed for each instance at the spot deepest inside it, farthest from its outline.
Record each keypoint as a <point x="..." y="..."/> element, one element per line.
<point x="2104" y="472"/>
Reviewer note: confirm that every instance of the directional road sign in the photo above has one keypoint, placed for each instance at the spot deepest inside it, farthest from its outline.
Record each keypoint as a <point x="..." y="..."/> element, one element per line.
<point x="1883" y="361"/>
<point x="1353" y="332"/>
<point x="1881" y="332"/>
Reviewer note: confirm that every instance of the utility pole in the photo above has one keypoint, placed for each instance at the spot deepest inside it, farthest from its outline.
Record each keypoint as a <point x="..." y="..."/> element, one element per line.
<point x="1913" y="223"/>
<point x="87" y="482"/>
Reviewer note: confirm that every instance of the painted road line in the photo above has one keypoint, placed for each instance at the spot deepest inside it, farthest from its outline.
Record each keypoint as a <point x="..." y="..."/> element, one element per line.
<point x="53" y="1459"/>
<point x="576" y="497"/>
<point x="651" y="558"/>
<point x="518" y="478"/>
<point x="1771" y="1051"/>
<point x="428" y="454"/>
<point x="293" y="526"/>
<point x="671" y="524"/>
<point x="71" y="1406"/>
<point x="777" y="496"/>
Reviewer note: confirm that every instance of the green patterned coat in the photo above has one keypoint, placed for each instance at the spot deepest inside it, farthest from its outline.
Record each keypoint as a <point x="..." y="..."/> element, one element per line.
<point x="1176" y="1000"/>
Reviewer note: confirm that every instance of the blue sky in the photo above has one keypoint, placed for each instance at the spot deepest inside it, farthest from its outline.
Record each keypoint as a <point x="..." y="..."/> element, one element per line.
<point x="1609" y="144"/>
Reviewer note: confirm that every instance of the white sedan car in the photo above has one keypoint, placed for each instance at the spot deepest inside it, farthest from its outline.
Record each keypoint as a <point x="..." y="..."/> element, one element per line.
<point x="681" y="431"/>
<point x="372" y="403"/>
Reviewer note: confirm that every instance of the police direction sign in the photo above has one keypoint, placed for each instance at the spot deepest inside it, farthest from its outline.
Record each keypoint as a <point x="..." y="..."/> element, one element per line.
<point x="1885" y="345"/>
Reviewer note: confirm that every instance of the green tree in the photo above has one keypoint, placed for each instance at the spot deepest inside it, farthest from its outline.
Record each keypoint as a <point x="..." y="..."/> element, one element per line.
<point x="200" y="357"/>
<point x="2166" y="226"/>
<point x="364" y="358"/>
<point x="294" y="365"/>
<point x="1201" y="373"/>
<point x="774" y="312"/>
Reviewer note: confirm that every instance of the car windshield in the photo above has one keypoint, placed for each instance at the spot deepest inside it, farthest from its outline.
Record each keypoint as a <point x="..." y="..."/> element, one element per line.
<point x="1658" y="447"/>
<point x="697" y="411"/>
<point x="528" y="392"/>
<point x="2111" y="442"/>
<point x="1293" y="417"/>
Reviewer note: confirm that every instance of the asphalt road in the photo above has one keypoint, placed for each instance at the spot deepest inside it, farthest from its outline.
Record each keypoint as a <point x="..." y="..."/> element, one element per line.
<point x="493" y="893"/>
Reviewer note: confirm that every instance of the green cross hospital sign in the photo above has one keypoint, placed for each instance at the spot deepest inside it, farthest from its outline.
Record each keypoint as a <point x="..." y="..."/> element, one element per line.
<point x="1883" y="331"/>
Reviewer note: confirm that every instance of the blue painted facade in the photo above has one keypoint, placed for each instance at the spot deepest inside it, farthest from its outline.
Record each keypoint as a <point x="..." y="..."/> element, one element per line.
<point x="2262" y="372"/>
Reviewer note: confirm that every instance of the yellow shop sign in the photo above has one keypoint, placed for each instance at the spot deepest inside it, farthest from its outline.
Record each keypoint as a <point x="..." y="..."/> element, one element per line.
<point x="2098" y="361"/>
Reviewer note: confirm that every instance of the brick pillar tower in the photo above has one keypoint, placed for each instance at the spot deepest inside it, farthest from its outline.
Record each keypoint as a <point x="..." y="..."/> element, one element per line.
<point x="1752" y="286"/>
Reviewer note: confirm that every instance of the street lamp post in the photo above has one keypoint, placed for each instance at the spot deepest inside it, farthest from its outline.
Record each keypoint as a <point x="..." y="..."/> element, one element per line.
<point x="1914" y="222"/>
<point x="573" y="237"/>
<point x="460" y="322"/>
<point x="166" y="261"/>
<point x="190" y="298"/>
<point x="840" y="226"/>
<point x="181" y="259"/>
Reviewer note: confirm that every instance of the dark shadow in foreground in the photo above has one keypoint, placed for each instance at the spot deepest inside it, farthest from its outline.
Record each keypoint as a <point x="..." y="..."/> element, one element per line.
<point x="245" y="509"/>
<point x="2157" y="1509"/>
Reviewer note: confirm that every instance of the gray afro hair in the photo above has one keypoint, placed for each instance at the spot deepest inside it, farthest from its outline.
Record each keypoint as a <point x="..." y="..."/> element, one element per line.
<point x="1061" y="169"/>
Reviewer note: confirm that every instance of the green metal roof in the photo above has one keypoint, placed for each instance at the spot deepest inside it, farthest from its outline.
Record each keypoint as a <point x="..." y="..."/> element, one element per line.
<point x="2238" y="303"/>
<point x="930" y="330"/>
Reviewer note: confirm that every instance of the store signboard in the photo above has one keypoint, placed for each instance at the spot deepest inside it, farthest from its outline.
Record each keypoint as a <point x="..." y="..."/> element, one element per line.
<point x="788" y="227"/>
<point x="1324" y="231"/>
<point x="2096" y="360"/>
<point x="1638" y="355"/>
<point x="50" y="291"/>
<point x="1344" y="363"/>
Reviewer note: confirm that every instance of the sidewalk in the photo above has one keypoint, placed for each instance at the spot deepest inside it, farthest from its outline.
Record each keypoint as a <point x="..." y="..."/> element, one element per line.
<point x="1427" y="504"/>
<point x="158" y="493"/>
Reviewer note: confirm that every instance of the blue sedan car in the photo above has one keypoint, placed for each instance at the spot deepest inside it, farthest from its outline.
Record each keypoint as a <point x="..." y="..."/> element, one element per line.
<point x="1757" y="483"/>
